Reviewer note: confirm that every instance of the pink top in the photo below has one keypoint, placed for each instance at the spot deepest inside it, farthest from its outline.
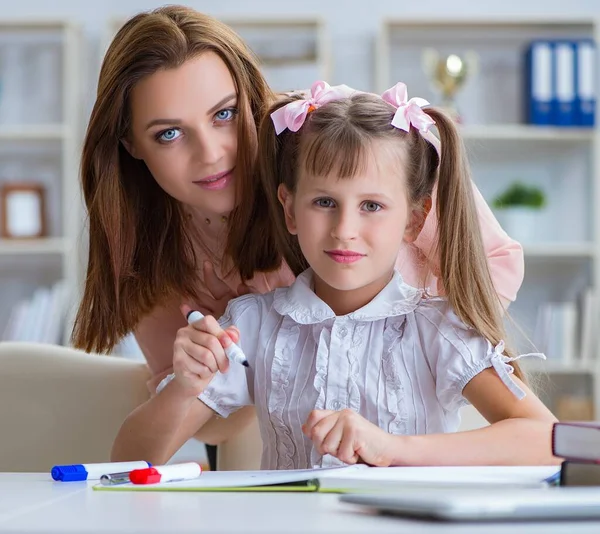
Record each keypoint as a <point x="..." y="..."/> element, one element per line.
<point x="156" y="332"/>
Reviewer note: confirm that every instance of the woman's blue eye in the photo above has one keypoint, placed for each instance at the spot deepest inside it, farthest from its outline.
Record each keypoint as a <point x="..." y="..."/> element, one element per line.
<point x="371" y="206"/>
<point x="225" y="114"/>
<point x="169" y="135"/>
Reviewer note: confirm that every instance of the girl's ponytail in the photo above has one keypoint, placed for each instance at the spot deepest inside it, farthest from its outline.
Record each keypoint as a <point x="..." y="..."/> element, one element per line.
<point x="463" y="263"/>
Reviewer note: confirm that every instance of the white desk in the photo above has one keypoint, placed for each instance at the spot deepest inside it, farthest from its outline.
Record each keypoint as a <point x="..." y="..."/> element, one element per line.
<point x="33" y="503"/>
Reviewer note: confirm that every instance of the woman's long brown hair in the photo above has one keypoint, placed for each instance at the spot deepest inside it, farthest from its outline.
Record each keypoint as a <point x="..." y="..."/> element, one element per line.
<point x="140" y="254"/>
<point x="336" y="138"/>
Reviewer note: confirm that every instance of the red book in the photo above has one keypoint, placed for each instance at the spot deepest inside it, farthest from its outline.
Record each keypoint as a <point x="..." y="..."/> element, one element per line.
<point x="577" y="441"/>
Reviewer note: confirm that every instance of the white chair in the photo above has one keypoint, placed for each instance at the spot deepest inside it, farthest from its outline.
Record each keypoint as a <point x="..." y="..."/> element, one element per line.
<point x="63" y="406"/>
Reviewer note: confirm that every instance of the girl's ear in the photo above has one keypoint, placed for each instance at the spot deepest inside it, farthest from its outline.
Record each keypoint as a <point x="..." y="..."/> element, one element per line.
<point x="287" y="201"/>
<point x="129" y="146"/>
<point x="417" y="220"/>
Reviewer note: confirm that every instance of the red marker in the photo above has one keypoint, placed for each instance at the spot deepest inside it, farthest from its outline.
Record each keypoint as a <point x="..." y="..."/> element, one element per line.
<point x="166" y="473"/>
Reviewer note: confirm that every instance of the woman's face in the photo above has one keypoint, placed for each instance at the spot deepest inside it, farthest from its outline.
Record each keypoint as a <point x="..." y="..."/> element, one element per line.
<point x="184" y="127"/>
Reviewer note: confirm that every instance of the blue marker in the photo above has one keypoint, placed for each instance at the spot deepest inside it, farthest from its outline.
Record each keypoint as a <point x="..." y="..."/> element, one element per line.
<point x="76" y="472"/>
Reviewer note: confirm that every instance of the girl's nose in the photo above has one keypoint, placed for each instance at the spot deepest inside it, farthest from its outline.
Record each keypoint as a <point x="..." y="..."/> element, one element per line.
<point x="345" y="227"/>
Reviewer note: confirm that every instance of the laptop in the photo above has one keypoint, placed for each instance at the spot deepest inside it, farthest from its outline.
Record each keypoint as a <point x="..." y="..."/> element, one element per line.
<point x="493" y="505"/>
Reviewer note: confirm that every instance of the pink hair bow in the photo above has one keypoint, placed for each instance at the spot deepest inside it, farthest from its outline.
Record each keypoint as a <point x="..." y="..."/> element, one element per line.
<point x="293" y="115"/>
<point x="408" y="112"/>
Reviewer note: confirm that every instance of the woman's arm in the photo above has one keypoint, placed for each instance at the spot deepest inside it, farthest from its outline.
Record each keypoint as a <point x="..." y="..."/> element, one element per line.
<point x="504" y="255"/>
<point x="519" y="434"/>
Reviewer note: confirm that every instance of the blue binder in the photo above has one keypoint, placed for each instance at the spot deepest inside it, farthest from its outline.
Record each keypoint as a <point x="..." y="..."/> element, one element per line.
<point x="585" y="93"/>
<point x="540" y="83"/>
<point x="564" y="83"/>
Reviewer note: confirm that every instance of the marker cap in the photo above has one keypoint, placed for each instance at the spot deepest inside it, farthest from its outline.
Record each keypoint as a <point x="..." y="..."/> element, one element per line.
<point x="145" y="476"/>
<point x="69" y="473"/>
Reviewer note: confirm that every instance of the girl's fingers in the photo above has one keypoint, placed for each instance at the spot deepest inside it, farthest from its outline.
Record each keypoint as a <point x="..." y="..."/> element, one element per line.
<point x="313" y="418"/>
<point x="345" y="451"/>
<point x="332" y="440"/>
<point x="233" y="333"/>
<point x="321" y="429"/>
<point x="201" y="345"/>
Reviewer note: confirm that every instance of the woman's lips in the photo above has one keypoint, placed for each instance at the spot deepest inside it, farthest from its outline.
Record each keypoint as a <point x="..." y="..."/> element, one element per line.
<point x="216" y="182"/>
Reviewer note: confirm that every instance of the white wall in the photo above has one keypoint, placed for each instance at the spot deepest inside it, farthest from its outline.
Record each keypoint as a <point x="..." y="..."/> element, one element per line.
<point x="353" y="24"/>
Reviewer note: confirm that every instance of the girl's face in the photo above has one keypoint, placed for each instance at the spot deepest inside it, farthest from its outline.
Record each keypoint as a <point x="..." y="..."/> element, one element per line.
<point x="184" y="127"/>
<point x="350" y="230"/>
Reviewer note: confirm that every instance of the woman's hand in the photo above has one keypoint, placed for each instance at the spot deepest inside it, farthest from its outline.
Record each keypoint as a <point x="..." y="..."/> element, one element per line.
<point x="349" y="437"/>
<point x="198" y="353"/>
<point x="220" y="293"/>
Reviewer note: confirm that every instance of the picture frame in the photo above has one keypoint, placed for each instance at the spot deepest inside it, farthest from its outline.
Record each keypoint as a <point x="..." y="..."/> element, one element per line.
<point x="23" y="211"/>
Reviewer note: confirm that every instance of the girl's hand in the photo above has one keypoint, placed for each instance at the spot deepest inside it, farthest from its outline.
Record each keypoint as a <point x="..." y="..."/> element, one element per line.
<point x="349" y="437"/>
<point x="198" y="353"/>
<point x="220" y="293"/>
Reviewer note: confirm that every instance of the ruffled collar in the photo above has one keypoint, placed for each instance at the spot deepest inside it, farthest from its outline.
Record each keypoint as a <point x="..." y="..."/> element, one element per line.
<point x="301" y="304"/>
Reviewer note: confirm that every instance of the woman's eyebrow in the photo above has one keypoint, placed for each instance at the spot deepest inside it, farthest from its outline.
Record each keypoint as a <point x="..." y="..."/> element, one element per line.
<point x="167" y="122"/>
<point x="221" y="103"/>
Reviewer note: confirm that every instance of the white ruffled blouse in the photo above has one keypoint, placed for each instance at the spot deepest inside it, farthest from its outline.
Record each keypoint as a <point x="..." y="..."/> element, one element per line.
<point x="401" y="362"/>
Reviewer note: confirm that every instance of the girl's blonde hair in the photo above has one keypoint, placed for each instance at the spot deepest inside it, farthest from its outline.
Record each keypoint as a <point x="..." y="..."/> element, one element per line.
<point x="336" y="138"/>
<point x="140" y="251"/>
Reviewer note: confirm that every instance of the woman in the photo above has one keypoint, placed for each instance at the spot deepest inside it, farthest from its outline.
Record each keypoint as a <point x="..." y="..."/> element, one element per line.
<point x="167" y="176"/>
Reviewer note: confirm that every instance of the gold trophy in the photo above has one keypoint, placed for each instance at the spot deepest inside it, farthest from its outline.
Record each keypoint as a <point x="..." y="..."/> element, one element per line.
<point x="449" y="73"/>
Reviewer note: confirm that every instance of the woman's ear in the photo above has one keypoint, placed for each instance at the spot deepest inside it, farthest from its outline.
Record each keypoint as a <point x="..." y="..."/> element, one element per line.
<point x="287" y="201"/>
<point x="416" y="221"/>
<point x="130" y="147"/>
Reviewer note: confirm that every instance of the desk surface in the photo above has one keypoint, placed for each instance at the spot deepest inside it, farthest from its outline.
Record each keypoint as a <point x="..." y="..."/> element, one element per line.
<point x="33" y="503"/>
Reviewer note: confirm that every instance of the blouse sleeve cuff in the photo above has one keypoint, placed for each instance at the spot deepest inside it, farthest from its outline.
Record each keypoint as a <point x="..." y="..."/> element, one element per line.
<point x="501" y="363"/>
<point x="207" y="398"/>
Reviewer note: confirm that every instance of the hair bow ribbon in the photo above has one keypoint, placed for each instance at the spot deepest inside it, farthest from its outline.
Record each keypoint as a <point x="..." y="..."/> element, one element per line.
<point x="408" y="112"/>
<point x="293" y="115"/>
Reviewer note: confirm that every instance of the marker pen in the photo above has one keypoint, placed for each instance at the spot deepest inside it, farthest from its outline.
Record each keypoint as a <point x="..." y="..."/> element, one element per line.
<point x="75" y="472"/>
<point x="165" y="473"/>
<point x="233" y="352"/>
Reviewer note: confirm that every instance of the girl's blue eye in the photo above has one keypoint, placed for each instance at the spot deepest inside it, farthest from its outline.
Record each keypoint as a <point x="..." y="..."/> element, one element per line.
<point x="324" y="203"/>
<point x="225" y="114"/>
<point x="371" y="206"/>
<point x="169" y="135"/>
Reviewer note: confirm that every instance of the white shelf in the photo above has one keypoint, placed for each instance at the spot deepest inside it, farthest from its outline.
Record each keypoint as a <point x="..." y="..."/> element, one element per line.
<point x="50" y="245"/>
<point x="523" y="132"/>
<point x="34" y="132"/>
<point x="560" y="250"/>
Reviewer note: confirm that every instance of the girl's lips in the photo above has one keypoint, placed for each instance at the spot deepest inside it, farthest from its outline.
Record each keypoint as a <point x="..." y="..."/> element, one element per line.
<point x="344" y="256"/>
<point x="216" y="182"/>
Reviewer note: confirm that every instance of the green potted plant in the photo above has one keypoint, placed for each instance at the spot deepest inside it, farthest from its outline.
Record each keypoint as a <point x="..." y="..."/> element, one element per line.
<point x="517" y="209"/>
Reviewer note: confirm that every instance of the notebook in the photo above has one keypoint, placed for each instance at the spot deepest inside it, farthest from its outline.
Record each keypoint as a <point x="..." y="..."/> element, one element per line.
<point x="492" y="505"/>
<point x="356" y="478"/>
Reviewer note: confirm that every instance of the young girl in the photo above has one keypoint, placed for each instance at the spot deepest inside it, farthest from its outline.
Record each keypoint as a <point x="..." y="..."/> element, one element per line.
<point x="350" y="363"/>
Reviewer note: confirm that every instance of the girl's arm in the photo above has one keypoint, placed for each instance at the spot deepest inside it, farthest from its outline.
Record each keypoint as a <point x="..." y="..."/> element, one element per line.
<point x="159" y="427"/>
<point x="519" y="433"/>
<point x="155" y="335"/>
<point x="504" y="255"/>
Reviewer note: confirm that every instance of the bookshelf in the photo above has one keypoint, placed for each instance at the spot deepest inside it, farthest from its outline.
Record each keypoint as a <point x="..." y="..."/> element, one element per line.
<point x="293" y="51"/>
<point x="39" y="142"/>
<point x="564" y="257"/>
